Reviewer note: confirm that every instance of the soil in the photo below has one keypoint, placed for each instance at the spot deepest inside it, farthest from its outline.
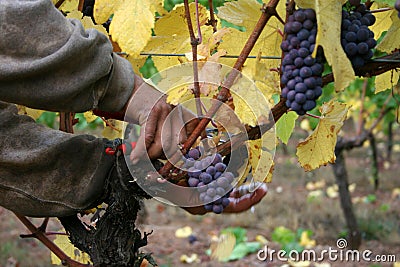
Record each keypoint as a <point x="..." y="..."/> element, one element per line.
<point x="286" y="204"/>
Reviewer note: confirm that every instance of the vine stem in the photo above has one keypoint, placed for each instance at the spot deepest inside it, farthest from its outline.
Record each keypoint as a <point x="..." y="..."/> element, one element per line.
<point x="381" y="10"/>
<point x="212" y="21"/>
<point x="194" y="42"/>
<point x="268" y="10"/>
<point x="41" y="236"/>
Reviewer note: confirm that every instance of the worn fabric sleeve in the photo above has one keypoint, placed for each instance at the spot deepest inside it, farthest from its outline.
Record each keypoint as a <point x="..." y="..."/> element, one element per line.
<point x="50" y="62"/>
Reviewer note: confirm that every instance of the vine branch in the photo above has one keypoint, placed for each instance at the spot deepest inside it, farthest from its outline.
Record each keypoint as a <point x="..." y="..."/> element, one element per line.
<point x="194" y="42"/>
<point x="212" y="21"/>
<point x="268" y="11"/>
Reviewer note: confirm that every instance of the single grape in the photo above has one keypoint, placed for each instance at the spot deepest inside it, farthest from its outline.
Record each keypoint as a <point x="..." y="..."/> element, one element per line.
<point x="218" y="209"/>
<point x="351" y="49"/>
<point x="298" y="62"/>
<point x="305" y="44"/>
<point x="310" y="95"/>
<point x="192" y="171"/>
<point x="309" y="105"/>
<point x="208" y="207"/>
<point x="222" y="182"/>
<point x="220" y="191"/>
<point x="353" y="28"/>
<point x="362" y="35"/>
<point x="363" y="48"/>
<point x="310" y="14"/>
<point x="309" y="61"/>
<point x="318" y="91"/>
<point x="303" y="34"/>
<point x="346" y="24"/>
<point x="300" y="98"/>
<point x="217" y="175"/>
<point x="371" y="43"/>
<point x="303" y="52"/>
<point x="225" y="201"/>
<point x="296" y="107"/>
<point x="309" y="82"/>
<point x="291" y="84"/>
<point x="317" y="69"/>
<point x="351" y="37"/>
<point x="305" y="72"/>
<point x="290" y="96"/>
<point x="211" y="170"/>
<point x="205" y="178"/>
<point x="217" y="159"/>
<point x="229" y="176"/>
<point x="194" y="153"/>
<point x="308" y="24"/>
<point x="193" y="182"/>
<point x="299" y="88"/>
<point x="220" y="167"/>
<point x="211" y="192"/>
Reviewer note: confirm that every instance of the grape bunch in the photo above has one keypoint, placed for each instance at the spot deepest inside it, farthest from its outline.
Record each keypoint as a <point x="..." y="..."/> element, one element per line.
<point x="208" y="174"/>
<point x="356" y="38"/>
<point x="301" y="73"/>
<point x="397" y="7"/>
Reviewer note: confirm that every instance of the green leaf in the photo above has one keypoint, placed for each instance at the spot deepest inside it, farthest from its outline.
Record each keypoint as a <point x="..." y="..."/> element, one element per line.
<point x="238" y="232"/>
<point x="285" y="126"/>
<point x="283" y="235"/>
<point x="242" y="249"/>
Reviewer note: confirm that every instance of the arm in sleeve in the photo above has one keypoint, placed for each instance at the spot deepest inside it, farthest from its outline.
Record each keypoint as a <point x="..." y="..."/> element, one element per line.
<point x="52" y="63"/>
<point x="45" y="172"/>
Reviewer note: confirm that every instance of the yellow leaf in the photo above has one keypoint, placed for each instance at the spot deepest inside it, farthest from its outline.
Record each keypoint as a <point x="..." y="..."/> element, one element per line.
<point x="192" y="259"/>
<point x="62" y="241"/>
<point x="305" y="240"/>
<point x="33" y="113"/>
<point x="332" y="191"/>
<point x="172" y="36"/>
<point x="223" y="248"/>
<point x="131" y="25"/>
<point x="103" y="9"/>
<point x="115" y="130"/>
<point x="86" y="21"/>
<point x="386" y="81"/>
<point x="89" y="116"/>
<point x="261" y="159"/>
<point x="382" y="22"/>
<point x="183" y="232"/>
<point x="69" y="5"/>
<point x="251" y="106"/>
<point x="328" y="36"/>
<point x="246" y="13"/>
<point x="137" y="62"/>
<point x="318" y="148"/>
<point x="391" y="41"/>
<point x="261" y="239"/>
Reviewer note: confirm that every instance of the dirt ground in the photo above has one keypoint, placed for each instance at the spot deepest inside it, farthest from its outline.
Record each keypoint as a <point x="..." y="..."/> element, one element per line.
<point x="286" y="204"/>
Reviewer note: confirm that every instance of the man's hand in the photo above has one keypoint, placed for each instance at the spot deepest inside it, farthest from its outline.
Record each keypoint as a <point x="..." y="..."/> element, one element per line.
<point x="238" y="203"/>
<point x="163" y="127"/>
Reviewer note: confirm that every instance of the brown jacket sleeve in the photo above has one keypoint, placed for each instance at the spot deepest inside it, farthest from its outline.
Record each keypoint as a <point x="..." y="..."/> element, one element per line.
<point x="49" y="62"/>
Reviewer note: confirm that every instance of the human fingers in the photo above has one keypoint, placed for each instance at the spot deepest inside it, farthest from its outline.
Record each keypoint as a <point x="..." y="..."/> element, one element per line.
<point x="239" y="204"/>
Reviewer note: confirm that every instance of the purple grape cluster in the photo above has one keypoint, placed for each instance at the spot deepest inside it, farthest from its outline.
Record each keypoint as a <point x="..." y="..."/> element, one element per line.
<point x="301" y="73"/>
<point x="209" y="175"/>
<point x="356" y="38"/>
<point x="397" y="7"/>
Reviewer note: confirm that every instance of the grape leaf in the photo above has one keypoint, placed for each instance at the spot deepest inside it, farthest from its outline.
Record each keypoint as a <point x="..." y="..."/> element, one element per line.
<point x="318" y="148"/>
<point x="171" y="35"/>
<point x="33" y="113"/>
<point x="132" y="23"/>
<point x="382" y="21"/>
<point x="86" y="21"/>
<point x="285" y="126"/>
<point x="103" y="9"/>
<point x="386" y="81"/>
<point x="328" y="36"/>
<point x="261" y="157"/>
<point x="89" y="116"/>
<point x="69" y="5"/>
<point x="114" y="129"/>
<point x="391" y="41"/>
<point x="62" y="241"/>
<point x="223" y="248"/>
